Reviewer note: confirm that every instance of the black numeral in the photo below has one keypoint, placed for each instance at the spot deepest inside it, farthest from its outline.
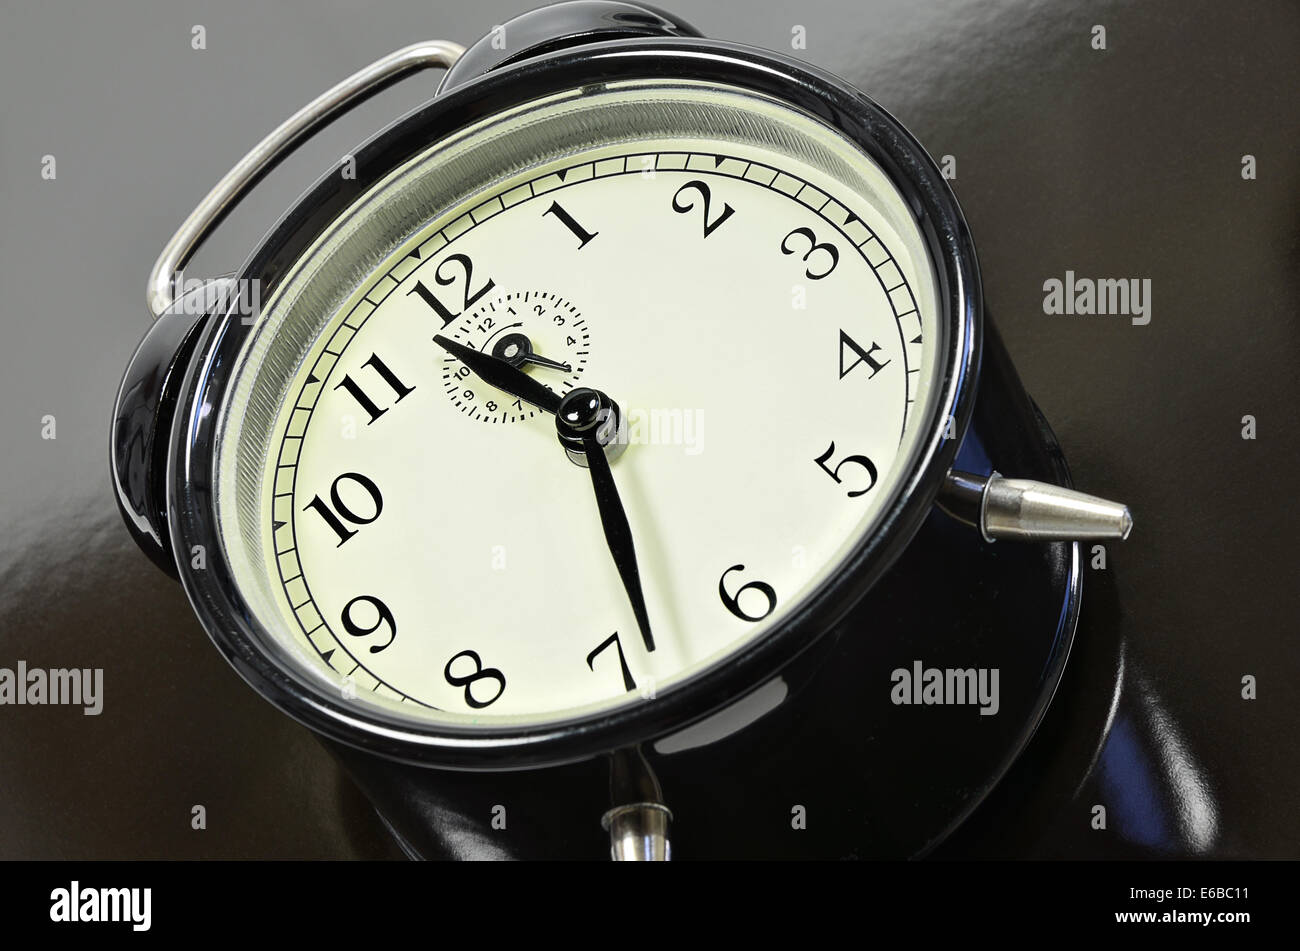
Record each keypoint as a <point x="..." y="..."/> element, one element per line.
<point x="862" y="461"/>
<point x="864" y="356"/>
<point x="579" y="232"/>
<point x="332" y="520"/>
<point x="480" y="673"/>
<point x="733" y="602"/>
<point x="471" y="296"/>
<point x="384" y="616"/>
<point x="628" y="682"/>
<point x="813" y="247"/>
<point x="388" y="376"/>
<point x="685" y="205"/>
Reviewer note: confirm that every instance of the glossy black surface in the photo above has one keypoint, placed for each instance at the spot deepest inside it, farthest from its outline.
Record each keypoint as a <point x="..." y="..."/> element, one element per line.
<point x="955" y="342"/>
<point x="141" y="429"/>
<point x="556" y="26"/>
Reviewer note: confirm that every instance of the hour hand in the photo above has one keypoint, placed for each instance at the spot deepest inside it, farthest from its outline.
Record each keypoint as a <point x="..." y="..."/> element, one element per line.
<point x="502" y="375"/>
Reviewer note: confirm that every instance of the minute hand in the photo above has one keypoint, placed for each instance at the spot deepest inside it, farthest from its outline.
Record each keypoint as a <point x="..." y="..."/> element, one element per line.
<point x="618" y="534"/>
<point x="502" y="375"/>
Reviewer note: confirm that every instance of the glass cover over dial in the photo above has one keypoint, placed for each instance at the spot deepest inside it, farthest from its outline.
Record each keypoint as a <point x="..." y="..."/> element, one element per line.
<point x="746" y="289"/>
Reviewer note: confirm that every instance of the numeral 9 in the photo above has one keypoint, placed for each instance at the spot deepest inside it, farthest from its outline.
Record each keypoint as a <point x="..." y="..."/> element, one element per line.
<point x="385" y="616"/>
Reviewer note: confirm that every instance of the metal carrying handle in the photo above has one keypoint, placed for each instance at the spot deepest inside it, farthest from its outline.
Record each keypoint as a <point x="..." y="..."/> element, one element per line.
<point x="268" y="153"/>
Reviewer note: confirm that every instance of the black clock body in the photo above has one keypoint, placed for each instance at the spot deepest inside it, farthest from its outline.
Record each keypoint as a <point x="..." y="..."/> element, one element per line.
<point x="835" y="750"/>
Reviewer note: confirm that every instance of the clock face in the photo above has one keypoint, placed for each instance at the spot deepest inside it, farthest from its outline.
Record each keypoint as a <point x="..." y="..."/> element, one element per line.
<point x="758" y="305"/>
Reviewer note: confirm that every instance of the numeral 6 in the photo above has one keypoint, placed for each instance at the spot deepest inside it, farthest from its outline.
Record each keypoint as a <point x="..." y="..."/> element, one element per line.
<point x="733" y="602"/>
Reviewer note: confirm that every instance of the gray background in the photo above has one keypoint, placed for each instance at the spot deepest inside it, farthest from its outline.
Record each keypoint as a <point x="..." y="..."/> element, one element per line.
<point x="1123" y="163"/>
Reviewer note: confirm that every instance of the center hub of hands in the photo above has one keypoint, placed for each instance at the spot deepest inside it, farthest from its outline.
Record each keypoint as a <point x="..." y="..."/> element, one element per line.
<point x="586" y="414"/>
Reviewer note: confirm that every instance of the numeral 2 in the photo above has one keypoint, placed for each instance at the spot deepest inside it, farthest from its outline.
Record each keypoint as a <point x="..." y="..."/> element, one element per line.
<point x="683" y="206"/>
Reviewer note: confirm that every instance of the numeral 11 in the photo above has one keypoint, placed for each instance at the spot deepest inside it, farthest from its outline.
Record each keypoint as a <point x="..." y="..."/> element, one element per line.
<point x="388" y="377"/>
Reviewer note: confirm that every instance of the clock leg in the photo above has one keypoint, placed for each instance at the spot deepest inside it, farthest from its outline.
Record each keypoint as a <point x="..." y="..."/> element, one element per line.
<point x="638" y="822"/>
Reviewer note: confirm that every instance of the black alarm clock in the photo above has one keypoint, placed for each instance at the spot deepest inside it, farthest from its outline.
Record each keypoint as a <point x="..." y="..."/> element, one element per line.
<point x="628" y="411"/>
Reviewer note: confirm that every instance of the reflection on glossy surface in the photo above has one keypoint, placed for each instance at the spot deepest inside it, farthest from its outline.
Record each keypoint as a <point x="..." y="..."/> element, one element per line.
<point x="142" y="418"/>
<point x="1157" y="791"/>
<point x="745" y="711"/>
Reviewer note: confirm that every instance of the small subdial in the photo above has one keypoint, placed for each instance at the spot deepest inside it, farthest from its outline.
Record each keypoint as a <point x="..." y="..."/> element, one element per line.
<point x="539" y="332"/>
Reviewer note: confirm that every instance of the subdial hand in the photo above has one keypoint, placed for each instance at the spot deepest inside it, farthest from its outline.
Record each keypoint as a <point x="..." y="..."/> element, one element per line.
<point x="516" y="349"/>
<point x="544" y="362"/>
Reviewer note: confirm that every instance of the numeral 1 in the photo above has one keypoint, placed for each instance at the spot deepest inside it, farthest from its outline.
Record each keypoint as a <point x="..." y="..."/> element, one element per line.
<point x="579" y="232"/>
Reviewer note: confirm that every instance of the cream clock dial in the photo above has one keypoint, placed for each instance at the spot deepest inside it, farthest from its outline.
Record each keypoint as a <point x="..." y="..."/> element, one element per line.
<point x="762" y="328"/>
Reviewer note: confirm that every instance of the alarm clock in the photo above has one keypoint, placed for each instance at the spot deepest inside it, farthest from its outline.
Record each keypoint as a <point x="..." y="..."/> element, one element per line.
<point x="616" y="441"/>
